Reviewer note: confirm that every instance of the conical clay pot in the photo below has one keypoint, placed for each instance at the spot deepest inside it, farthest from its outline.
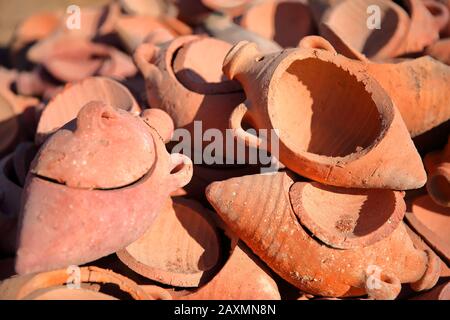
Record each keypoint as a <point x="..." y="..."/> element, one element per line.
<point x="347" y="218"/>
<point x="65" y="106"/>
<point x="286" y="22"/>
<point x="180" y="69"/>
<point x="418" y="87"/>
<point x="105" y="207"/>
<point x="432" y="222"/>
<point x="242" y="278"/>
<point x="324" y="137"/>
<point x="45" y="286"/>
<point x="178" y="249"/>
<point x="438" y="168"/>
<point x="267" y="223"/>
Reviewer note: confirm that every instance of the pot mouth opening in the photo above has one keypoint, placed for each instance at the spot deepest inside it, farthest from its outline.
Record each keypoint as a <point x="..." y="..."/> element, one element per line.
<point x="370" y="41"/>
<point x="322" y="109"/>
<point x="191" y="80"/>
<point x="439" y="188"/>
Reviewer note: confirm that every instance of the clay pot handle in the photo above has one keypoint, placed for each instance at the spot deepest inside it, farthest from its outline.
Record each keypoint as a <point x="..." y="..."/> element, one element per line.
<point x="180" y="170"/>
<point x="387" y="287"/>
<point x="142" y="57"/>
<point x="316" y="42"/>
<point x="235" y="124"/>
<point x="439" y="12"/>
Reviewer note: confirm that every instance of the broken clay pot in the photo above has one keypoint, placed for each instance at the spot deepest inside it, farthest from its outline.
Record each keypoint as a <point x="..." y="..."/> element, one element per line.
<point x="437" y="165"/>
<point x="432" y="223"/>
<point x="324" y="137"/>
<point x="242" y="277"/>
<point x="285" y="22"/>
<point x="179" y="249"/>
<point x="91" y="209"/>
<point x="422" y="107"/>
<point x="69" y="57"/>
<point x="347" y="218"/>
<point x="41" y="286"/>
<point x="180" y="69"/>
<point x="65" y="106"/>
<point x="267" y="223"/>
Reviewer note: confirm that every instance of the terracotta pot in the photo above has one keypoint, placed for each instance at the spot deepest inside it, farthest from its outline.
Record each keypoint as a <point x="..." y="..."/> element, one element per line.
<point x="152" y="8"/>
<point x="440" y="50"/>
<point x="105" y="207"/>
<point x="180" y="69"/>
<point x="47" y="285"/>
<point x="242" y="277"/>
<point x="422" y="107"/>
<point x="446" y="31"/>
<point x="37" y="82"/>
<point x="70" y="57"/>
<point x="285" y="22"/>
<point x="319" y="8"/>
<point x="347" y="218"/>
<point x="269" y="226"/>
<point x="65" y="106"/>
<point x="440" y="13"/>
<point x="337" y="145"/>
<point x="191" y="246"/>
<point x="221" y="27"/>
<point x="133" y="30"/>
<point x="441" y="292"/>
<point x="432" y="222"/>
<point x="437" y="164"/>
<point x="349" y="20"/>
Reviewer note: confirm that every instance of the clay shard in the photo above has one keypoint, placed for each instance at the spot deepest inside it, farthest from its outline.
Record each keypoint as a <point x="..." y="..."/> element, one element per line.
<point x="347" y="218"/>
<point x="179" y="248"/>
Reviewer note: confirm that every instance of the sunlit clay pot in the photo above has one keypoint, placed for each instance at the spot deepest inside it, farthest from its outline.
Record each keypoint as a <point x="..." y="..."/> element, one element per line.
<point x="179" y="249"/>
<point x="438" y="167"/>
<point x="71" y="57"/>
<point x="188" y="84"/>
<point x="285" y="22"/>
<point x="65" y="106"/>
<point x="347" y="218"/>
<point x="324" y="137"/>
<point x="242" y="277"/>
<point x="440" y="50"/>
<point x="432" y="222"/>
<point x="349" y="20"/>
<point x="104" y="183"/>
<point x="418" y="87"/>
<point x="53" y="285"/>
<point x="259" y="209"/>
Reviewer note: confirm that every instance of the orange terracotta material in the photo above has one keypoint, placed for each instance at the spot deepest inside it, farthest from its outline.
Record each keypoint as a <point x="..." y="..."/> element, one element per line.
<point x="349" y="19"/>
<point x="37" y="83"/>
<point x="65" y="106"/>
<point x="446" y="31"/>
<point x="324" y="137"/>
<point x="440" y="50"/>
<point x="152" y="8"/>
<point x="285" y="22"/>
<point x="40" y="285"/>
<point x="242" y="277"/>
<point x="432" y="222"/>
<point x="418" y="87"/>
<point x="179" y="249"/>
<point x="347" y="218"/>
<point x="70" y="57"/>
<point x="437" y="165"/>
<point x="258" y="209"/>
<point x="133" y="30"/>
<point x="440" y="13"/>
<point x="100" y="208"/>
<point x="180" y="69"/>
<point x="441" y="292"/>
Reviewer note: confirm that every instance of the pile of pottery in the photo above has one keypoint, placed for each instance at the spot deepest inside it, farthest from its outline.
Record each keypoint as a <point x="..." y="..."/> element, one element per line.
<point x="97" y="201"/>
